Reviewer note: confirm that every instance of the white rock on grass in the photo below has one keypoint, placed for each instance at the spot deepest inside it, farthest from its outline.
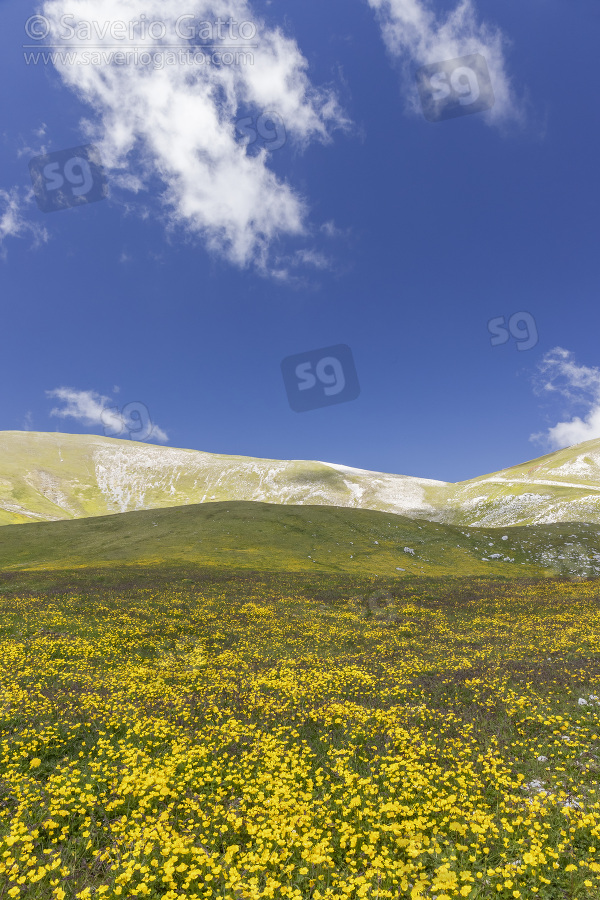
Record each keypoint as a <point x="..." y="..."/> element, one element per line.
<point x="535" y="785"/>
<point x="582" y="701"/>
<point x="542" y="759"/>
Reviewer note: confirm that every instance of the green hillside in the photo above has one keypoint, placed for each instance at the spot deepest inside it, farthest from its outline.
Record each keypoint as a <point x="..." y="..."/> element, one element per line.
<point x="49" y="477"/>
<point x="53" y="477"/>
<point x="262" y="536"/>
<point x="558" y="487"/>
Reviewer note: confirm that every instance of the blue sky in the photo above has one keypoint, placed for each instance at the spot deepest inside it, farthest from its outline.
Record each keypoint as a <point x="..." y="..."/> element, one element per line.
<point x="213" y="260"/>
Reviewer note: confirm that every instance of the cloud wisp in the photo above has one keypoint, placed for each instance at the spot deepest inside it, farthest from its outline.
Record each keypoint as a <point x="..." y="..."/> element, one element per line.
<point x="170" y="128"/>
<point x="13" y="222"/>
<point x="93" y="410"/>
<point x="578" y="386"/>
<point x="416" y="36"/>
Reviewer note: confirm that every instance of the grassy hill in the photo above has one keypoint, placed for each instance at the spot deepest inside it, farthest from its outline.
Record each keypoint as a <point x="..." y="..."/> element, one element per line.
<point x="49" y="477"/>
<point x="53" y="477"/>
<point x="262" y="536"/>
<point x="559" y="487"/>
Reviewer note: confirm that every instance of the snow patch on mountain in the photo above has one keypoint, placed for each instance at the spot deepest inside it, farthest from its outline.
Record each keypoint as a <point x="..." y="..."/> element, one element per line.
<point x="126" y="477"/>
<point x="586" y="466"/>
<point x="50" y="487"/>
<point x="508" y="509"/>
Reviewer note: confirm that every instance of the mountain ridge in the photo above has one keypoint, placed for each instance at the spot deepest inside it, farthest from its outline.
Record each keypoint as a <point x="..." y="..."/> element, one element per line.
<point x="52" y="476"/>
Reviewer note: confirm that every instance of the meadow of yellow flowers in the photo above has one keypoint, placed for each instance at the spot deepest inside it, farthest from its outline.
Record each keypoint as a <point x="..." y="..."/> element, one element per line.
<point x="281" y="737"/>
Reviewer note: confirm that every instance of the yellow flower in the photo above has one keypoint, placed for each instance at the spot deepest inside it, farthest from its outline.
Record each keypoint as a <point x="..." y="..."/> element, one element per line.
<point x="35" y="762"/>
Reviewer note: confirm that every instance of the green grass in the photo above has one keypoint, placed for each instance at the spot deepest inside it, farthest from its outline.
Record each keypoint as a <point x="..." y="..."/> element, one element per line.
<point x="269" y="537"/>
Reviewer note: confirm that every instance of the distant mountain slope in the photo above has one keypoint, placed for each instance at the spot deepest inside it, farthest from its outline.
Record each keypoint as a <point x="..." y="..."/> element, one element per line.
<point x="560" y="487"/>
<point x="266" y="536"/>
<point x="61" y="476"/>
<point x="49" y="477"/>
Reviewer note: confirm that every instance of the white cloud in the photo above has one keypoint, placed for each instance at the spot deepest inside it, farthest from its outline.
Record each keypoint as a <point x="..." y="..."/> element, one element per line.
<point x="175" y="125"/>
<point x="93" y="411"/>
<point x="86" y="407"/>
<point x="28" y="151"/>
<point x="313" y="258"/>
<point x="416" y="36"/>
<point x="331" y="230"/>
<point x="560" y="376"/>
<point x="13" y="222"/>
